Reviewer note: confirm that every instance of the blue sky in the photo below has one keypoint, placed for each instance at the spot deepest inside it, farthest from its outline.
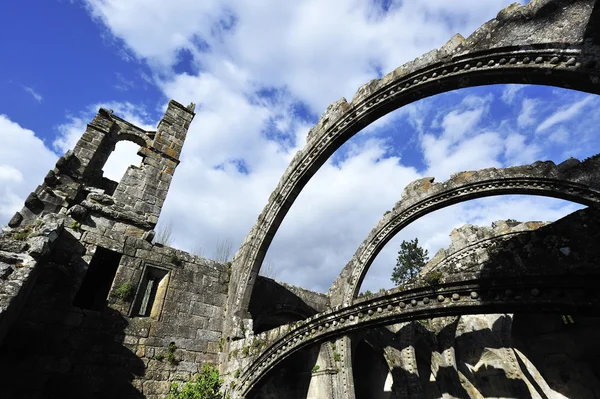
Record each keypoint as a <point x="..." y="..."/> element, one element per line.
<point x="261" y="73"/>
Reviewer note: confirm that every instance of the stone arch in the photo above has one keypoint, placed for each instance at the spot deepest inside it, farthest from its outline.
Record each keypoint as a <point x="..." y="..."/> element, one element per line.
<point x="545" y="42"/>
<point x="528" y="273"/>
<point x="571" y="180"/>
<point x="119" y="131"/>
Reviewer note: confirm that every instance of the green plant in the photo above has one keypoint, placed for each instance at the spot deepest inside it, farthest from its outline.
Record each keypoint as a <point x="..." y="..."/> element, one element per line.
<point x="125" y="292"/>
<point x="170" y="356"/>
<point x="22" y="234"/>
<point x="236" y="374"/>
<point x="159" y="356"/>
<point x="76" y="226"/>
<point x="337" y="357"/>
<point x="245" y="351"/>
<point x="424" y="323"/>
<point x="367" y="293"/>
<point x="221" y="344"/>
<point x="315" y="368"/>
<point x="411" y="259"/>
<point x="386" y="212"/>
<point x="204" y="385"/>
<point x="433" y="278"/>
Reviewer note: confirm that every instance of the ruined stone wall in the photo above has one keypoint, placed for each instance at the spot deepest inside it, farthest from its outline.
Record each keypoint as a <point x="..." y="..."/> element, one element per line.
<point x="89" y="307"/>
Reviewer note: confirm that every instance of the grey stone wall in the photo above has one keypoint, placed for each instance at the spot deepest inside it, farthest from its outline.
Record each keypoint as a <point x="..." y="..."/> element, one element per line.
<point x="77" y="223"/>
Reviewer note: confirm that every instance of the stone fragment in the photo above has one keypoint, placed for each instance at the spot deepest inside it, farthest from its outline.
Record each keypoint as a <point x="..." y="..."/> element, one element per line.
<point x="9" y="245"/>
<point x="16" y="220"/>
<point x="78" y="213"/>
<point x="38" y="246"/>
<point x="34" y="204"/>
<point x="51" y="179"/>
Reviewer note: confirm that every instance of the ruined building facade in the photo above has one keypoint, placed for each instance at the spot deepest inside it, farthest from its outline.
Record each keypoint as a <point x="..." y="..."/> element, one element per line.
<point x="91" y="308"/>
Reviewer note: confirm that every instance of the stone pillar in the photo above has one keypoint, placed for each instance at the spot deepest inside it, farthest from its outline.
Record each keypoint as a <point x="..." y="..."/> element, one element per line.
<point x="343" y="380"/>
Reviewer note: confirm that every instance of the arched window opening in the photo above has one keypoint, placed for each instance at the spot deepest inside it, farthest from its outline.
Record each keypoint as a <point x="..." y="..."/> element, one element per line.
<point x="123" y="156"/>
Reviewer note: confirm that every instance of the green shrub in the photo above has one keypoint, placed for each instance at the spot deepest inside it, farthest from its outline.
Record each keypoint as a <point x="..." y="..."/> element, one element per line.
<point x="433" y="278"/>
<point x="170" y="356"/>
<point x="204" y="385"/>
<point x="125" y="292"/>
<point x="337" y="357"/>
<point x="315" y="368"/>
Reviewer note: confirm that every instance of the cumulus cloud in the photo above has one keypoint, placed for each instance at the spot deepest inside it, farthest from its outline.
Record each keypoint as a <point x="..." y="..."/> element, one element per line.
<point x="24" y="161"/>
<point x="319" y="50"/>
<point x="260" y="74"/>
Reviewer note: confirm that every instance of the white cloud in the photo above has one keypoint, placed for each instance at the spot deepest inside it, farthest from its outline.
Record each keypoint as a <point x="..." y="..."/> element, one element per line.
<point x="510" y="92"/>
<point x="36" y="96"/>
<point x="565" y="113"/>
<point x="527" y="116"/>
<point x="309" y="52"/>
<point x="318" y="50"/>
<point x="518" y="152"/>
<point x="25" y="160"/>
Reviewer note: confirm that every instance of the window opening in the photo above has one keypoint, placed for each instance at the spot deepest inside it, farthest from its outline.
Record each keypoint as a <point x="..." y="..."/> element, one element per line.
<point x="96" y="284"/>
<point x="151" y="292"/>
<point x="123" y="156"/>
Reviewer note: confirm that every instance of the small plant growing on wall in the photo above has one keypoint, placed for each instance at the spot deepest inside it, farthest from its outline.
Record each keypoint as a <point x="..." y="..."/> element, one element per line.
<point x="315" y="368"/>
<point x="125" y="292"/>
<point x="204" y="385"/>
<point x="433" y="278"/>
<point x="76" y="226"/>
<point x="170" y="356"/>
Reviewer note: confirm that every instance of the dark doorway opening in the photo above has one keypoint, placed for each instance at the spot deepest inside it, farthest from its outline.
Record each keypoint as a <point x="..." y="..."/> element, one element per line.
<point x="94" y="290"/>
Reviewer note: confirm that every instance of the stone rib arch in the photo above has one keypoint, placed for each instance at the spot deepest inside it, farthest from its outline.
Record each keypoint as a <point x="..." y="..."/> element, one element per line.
<point x="570" y="180"/>
<point x="521" y="275"/>
<point x="544" y="42"/>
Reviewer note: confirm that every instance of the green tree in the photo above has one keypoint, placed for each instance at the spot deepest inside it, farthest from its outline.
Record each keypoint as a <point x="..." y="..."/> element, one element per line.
<point x="204" y="385"/>
<point x="411" y="259"/>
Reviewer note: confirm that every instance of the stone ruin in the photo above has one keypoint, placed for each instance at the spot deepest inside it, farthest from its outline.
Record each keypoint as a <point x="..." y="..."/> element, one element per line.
<point x="90" y="307"/>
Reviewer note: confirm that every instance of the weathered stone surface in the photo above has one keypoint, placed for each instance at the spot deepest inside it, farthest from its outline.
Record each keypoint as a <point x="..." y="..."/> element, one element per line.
<point x="15" y="221"/>
<point x="121" y="341"/>
<point x="78" y="213"/>
<point x="5" y="270"/>
<point x="542" y="42"/>
<point x="9" y="245"/>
